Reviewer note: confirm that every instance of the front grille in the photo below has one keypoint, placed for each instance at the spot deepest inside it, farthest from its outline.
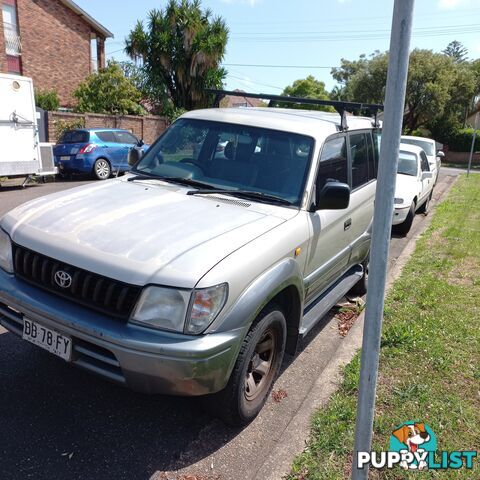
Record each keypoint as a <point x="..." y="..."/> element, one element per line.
<point x="89" y="289"/>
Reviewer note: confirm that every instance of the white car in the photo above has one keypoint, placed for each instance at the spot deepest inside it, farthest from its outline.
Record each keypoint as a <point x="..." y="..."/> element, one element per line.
<point x="413" y="188"/>
<point x="429" y="146"/>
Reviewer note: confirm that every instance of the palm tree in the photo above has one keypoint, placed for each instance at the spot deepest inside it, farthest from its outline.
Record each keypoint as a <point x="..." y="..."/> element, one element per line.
<point x="181" y="49"/>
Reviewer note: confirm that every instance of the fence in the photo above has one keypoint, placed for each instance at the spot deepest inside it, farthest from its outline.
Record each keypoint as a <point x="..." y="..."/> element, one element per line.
<point x="147" y="127"/>
<point x="462" y="157"/>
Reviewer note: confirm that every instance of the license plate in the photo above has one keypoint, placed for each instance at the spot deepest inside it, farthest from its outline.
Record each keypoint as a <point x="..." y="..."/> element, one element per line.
<point x="65" y="158"/>
<point x="48" y="339"/>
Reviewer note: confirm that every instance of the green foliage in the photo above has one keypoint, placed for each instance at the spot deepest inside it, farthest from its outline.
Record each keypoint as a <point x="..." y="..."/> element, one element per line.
<point x="439" y="87"/>
<point x="109" y="92"/>
<point x="181" y="48"/>
<point x="461" y="141"/>
<point x="47" y="99"/>
<point x="308" y="87"/>
<point x="456" y="51"/>
<point x="62" y="126"/>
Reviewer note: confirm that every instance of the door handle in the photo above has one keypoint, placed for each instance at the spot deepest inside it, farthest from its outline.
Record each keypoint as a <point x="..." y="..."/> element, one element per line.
<point x="347" y="224"/>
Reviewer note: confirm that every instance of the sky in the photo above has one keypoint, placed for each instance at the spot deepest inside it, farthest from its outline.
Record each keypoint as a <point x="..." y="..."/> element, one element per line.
<point x="275" y="42"/>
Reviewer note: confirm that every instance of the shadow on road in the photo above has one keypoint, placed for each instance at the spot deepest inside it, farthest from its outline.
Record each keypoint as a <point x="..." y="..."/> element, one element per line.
<point x="60" y="422"/>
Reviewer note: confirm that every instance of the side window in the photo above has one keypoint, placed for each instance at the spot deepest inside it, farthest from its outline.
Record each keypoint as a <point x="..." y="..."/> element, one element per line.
<point x="106" y="136"/>
<point x="424" y="162"/>
<point x="377" y="140"/>
<point x="333" y="162"/>
<point x="360" y="159"/>
<point x="126" y="137"/>
<point x="372" y="158"/>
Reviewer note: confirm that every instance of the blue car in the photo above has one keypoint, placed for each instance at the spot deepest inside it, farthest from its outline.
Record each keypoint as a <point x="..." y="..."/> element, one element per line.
<point x="98" y="151"/>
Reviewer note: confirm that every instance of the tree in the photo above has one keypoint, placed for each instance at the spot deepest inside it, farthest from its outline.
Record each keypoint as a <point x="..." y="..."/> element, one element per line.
<point x="47" y="99"/>
<point x="308" y="87"/>
<point x="437" y="87"/>
<point x="456" y="51"/>
<point x="181" y="48"/>
<point x="108" y="91"/>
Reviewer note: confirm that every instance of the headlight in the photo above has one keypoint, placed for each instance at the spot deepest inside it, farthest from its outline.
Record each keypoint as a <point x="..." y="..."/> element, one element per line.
<point x="6" y="260"/>
<point x="162" y="308"/>
<point x="398" y="201"/>
<point x="168" y="308"/>
<point x="206" y="305"/>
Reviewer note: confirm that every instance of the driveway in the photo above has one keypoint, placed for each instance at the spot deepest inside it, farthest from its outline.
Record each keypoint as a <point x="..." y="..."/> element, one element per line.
<point x="58" y="422"/>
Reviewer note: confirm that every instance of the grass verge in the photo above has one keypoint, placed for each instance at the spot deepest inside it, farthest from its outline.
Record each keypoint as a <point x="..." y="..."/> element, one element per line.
<point x="430" y="354"/>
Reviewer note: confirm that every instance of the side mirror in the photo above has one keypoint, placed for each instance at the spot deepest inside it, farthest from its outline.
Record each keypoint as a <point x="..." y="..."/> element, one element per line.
<point x="333" y="196"/>
<point x="134" y="156"/>
<point x="426" y="175"/>
<point x="440" y="154"/>
<point x="140" y="143"/>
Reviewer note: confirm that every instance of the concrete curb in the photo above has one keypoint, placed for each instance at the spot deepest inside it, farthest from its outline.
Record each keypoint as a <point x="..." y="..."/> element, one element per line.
<point x="295" y="435"/>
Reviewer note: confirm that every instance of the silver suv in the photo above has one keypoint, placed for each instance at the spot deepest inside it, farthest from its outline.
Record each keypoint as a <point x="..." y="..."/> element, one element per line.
<point x="195" y="272"/>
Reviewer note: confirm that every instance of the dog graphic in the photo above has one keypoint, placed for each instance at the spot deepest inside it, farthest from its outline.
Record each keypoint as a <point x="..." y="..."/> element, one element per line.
<point x="412" y="436"/>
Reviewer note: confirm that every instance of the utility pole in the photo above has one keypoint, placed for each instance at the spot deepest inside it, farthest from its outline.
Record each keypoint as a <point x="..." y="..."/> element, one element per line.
<point x="475" y="126"/>
<point x="382" y="221"/>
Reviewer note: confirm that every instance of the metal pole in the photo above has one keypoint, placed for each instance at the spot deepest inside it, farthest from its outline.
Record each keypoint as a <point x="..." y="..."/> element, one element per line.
<point x="473" y="144"/>
<point x="382" y="221"/>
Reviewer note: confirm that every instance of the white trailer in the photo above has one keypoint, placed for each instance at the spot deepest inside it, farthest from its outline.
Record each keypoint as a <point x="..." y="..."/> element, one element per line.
<point x="21" y="152"/>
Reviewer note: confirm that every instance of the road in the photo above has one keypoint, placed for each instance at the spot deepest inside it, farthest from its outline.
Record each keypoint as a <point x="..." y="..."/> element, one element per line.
<point x="58" y="422"/>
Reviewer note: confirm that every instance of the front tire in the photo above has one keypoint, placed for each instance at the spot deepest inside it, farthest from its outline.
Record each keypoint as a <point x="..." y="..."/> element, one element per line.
<point x="425" y="208"/>
<point x="102" y="169"/>
<point x="255" y="371"/>
<point x="404" y="227"/>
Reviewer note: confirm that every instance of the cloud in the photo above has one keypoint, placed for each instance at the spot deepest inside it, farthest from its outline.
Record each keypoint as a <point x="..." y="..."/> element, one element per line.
<point x="452" y="4"/>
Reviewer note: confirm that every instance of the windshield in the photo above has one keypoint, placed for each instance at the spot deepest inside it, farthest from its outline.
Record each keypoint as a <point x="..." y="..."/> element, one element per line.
<point x="75" y="136"/>
<point x="426" y="146"/>
<point x="228" y="156"/>
<point x="407" y="164"/>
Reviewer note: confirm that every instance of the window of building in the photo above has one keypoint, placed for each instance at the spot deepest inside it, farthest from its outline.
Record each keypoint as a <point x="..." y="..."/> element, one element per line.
<point x="13" y="46"/>
<point x="94" y="55"/>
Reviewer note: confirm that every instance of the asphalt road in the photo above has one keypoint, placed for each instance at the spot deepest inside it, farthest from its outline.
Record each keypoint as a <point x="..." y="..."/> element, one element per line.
<point x="59" y="422"/>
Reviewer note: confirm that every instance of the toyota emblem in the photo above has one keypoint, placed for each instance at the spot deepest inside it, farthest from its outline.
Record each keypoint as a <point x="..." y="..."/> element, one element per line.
<point x="63" y="279"/>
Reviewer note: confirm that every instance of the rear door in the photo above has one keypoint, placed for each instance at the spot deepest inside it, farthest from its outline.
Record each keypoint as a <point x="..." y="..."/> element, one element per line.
<point x="125" y="141"/>
<point x="363" y="160"/>
<point x="329" y="249"/>
<point x="109" y="148"/>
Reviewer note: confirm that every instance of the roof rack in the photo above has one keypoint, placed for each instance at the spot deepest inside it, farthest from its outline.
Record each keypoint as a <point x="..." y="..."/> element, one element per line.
<point x="340" y="107"/>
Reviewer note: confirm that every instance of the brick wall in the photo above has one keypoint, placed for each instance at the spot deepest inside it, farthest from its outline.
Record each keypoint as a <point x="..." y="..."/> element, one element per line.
<point x="55" y="46"/>
<point x="148" y="127"/>
<point x="3" y="55"/>
<point x="462" y="157"/>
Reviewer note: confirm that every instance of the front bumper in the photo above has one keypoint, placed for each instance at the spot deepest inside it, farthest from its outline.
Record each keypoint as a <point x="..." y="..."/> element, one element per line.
<point x="400" y="215"/>
<point x="143" y="359"/>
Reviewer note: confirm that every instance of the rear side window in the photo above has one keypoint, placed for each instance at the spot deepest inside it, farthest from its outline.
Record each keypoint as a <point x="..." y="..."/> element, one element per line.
<point x="363" y="158"/>
<point x="106" y="136"/>
<point x="126" y="137"/>
<point x="333" y="162"/>
<point x="424" y="162"/>
<point x="75" y="136"/>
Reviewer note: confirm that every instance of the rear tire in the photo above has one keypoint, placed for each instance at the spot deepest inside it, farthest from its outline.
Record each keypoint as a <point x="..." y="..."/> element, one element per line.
<point x="101" y="169"/>
<point x="255" y="371"/>
<point x="404" y="228"/>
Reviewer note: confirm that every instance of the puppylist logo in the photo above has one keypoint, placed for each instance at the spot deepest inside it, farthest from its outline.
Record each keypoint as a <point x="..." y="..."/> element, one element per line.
<point x="413" y="446"/>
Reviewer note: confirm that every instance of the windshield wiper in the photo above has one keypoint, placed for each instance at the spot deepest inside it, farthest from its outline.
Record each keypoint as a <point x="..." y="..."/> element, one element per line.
<point x="243" y="194"/>
<point x="179" y="180"/>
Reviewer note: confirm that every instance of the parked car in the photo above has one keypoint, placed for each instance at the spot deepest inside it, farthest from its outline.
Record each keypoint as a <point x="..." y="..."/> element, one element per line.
<point x="192" y="274"/>
<point x="429" y="146"/>
<point x="414" y="187"/>
<point x="99" y="151"/>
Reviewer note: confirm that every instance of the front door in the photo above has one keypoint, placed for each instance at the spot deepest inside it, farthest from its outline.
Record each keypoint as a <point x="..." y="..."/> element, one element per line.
<point x="329" y="249"/>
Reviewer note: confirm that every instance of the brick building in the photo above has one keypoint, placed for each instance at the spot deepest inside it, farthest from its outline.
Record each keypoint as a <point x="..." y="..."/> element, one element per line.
<point x="54" y="42"/>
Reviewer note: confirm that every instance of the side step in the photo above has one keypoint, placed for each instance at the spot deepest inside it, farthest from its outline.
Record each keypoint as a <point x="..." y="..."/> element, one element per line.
<point x="318" y="309"/>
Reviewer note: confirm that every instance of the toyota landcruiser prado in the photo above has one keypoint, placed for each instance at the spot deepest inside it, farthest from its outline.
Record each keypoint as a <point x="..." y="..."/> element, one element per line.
<point x="194" y="273"/>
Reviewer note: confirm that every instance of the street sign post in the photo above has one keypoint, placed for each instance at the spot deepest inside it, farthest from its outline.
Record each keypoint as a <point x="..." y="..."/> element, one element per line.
<point x="382" y="221"/>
